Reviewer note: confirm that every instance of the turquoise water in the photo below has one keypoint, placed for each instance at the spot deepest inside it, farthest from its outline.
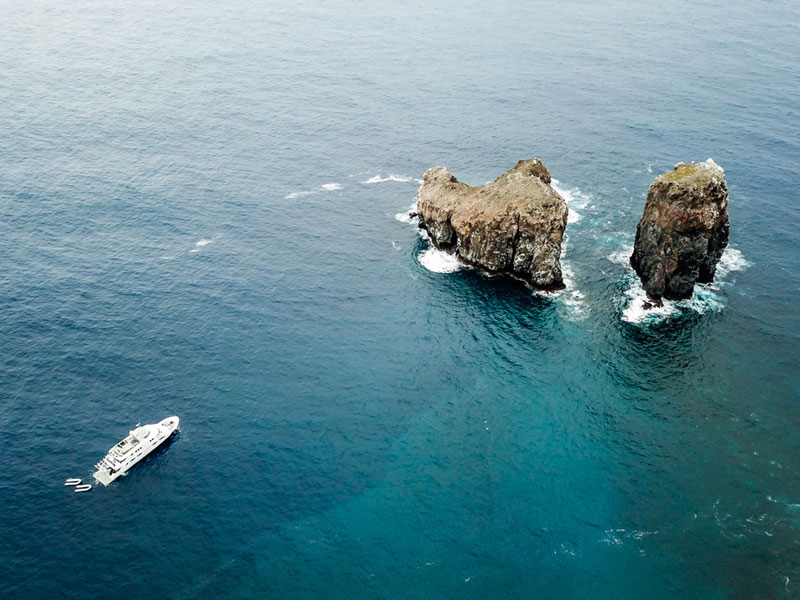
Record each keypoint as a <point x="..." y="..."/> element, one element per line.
<point x="198" y="207"/>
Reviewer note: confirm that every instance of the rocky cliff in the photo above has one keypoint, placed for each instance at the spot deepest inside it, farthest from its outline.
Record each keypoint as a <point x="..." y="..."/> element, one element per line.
<point x="683" y="231"/>
<point x="514" y="225"/>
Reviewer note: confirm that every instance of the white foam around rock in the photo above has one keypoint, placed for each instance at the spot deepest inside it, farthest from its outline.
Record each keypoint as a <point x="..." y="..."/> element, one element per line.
<point x="405" y="217"/>
<point x="706" y="298"/>
<point x="574" y="197"/>
<point x="438" y="261"/>
<point x="732" y="260"/>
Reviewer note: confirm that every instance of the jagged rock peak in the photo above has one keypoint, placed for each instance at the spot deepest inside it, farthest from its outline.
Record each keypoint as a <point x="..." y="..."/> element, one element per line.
<point x="683" y="231"/>
<point x="514" y="225"/>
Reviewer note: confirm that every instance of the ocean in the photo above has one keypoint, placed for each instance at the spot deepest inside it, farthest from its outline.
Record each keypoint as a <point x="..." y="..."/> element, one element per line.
<point x="203" y="212"/>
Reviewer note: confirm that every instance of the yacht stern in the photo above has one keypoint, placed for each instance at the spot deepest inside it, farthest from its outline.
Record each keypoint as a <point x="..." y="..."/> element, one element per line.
<point x="103" y="477"/>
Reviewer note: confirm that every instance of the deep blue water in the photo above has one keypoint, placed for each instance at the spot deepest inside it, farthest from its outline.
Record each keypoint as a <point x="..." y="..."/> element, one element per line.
<point x="355" y="425"/>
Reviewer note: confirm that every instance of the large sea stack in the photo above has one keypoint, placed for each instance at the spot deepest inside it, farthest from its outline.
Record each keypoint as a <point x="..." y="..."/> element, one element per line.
<point x="683" y="231"/>
<point x="512" y="226"/>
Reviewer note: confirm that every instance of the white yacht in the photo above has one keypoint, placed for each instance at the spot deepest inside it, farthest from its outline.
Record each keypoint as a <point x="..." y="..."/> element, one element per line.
<point x="140" y="442"/>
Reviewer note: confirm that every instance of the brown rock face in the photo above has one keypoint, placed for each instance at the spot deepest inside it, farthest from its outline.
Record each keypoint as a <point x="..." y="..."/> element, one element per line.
<point x="683" y="231"/>
<point x="514" y="225"/>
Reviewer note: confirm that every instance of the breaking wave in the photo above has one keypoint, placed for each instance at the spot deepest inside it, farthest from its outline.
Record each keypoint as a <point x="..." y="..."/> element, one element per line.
<point x="571" y="296"/>
<point x="396" y="178"/>
<point x="325" y="187"/>
<point x="732" y="260"/>
<point x="199" y="244"/>
<point x="621" y="256"/>
<point x="574" y="197"/>
<point x="294" y="195"/>
<point x="405" y="216"/>
<point x="438" y="261"/>
<point x="707" y="297"/>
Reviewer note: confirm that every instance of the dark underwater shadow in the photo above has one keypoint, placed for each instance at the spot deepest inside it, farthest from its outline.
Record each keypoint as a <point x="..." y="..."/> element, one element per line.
<point x="656" y="352"/>
<point x="498" y="299"/>
<point x="679" y="416"/>
<point x="466" y="312"/>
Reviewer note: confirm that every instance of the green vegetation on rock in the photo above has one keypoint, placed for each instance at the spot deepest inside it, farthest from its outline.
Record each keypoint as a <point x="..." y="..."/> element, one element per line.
<point x="680" y="173"/>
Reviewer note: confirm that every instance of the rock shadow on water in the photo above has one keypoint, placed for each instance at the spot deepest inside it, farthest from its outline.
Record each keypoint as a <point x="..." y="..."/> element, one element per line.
<point x="656" y="352"/>
<point x="494" y="296"/>
<point x="676" y="417"/>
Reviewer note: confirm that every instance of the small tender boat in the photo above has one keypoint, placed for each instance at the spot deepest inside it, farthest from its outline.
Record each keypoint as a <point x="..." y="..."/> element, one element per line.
<point x="72" y="482"/>
<point x="83" y="488"/>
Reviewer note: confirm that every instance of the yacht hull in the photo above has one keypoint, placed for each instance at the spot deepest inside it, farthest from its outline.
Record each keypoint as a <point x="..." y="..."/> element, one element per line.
<point x="140" y="442"/>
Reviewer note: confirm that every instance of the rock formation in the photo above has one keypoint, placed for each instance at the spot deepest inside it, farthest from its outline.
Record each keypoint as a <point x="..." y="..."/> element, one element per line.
<point x="512" y="226"/>
<point x="683" y="231"/>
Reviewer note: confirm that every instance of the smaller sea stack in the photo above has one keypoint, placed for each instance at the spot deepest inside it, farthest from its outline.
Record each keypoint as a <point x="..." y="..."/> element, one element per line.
<point x="683" y="231"/>
<point x="513" y="226"/>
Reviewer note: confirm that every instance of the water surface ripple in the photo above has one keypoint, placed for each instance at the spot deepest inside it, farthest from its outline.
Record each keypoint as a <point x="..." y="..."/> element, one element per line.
<point x="198" y="203"/>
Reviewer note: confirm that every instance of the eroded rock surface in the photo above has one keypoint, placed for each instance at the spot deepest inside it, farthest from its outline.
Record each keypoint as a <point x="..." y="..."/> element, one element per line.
<point x="514" y="225"/>
<point x="683" y="231"/>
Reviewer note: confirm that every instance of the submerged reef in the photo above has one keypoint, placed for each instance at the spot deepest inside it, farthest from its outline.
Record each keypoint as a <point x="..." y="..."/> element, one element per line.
<point x="513" y="226"/>
<point x="683" y="231"/>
